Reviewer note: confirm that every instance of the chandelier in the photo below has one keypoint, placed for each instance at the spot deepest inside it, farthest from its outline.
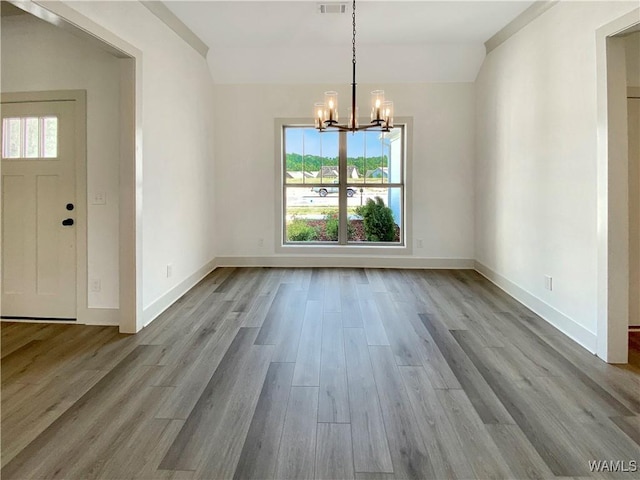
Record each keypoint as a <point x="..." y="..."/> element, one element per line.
<point x="326" y="114"/>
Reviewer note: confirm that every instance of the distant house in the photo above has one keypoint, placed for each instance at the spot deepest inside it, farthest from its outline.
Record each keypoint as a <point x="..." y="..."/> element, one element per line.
<point x="380" y="172"/>
<point x="328" y="172"/>
<point x="332" y="172"/>
<point x="299" y="175"/>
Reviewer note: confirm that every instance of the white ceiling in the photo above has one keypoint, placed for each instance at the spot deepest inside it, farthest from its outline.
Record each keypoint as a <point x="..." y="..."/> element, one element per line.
<point x="265" y="41"/>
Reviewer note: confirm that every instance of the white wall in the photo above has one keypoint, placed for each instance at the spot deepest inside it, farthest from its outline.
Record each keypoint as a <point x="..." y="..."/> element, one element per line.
<point x="536" y="163"/>
<point x="632" y="47"/>
<point x="443" y="156"/>
<point x="38" y="56"/>
<point x="429" y="63"/>
<point x="177" y="151"/>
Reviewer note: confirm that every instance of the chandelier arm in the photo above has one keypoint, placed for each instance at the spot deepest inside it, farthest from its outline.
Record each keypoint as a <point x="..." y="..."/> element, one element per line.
<point x="372" y="127"/>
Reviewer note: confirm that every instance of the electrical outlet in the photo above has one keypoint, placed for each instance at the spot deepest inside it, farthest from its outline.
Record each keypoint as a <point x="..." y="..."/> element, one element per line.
<point x="548" y="282"/>
<point x="420" y="244"/>
<point x="169" y="270"/>
<point x="95" y="285"/>
<point x="99" y="198"/>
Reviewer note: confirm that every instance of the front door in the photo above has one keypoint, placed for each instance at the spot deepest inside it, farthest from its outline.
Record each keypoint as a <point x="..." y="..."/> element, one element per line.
<point x="38" y="211"/>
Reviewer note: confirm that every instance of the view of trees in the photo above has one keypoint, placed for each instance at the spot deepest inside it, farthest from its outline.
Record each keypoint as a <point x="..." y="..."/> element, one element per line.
<point x="313" y="163"/>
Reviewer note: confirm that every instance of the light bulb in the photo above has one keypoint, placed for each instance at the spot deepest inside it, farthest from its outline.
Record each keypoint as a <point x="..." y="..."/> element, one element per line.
<point x="318" y="109"/>
<point x="377" y="99"/>
<point x="331" y="101"/>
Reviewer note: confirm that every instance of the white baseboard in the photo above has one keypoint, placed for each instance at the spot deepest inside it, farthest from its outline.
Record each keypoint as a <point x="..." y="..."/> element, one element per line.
<point x="102" y="316"/>
<point x="34" y="320"/>
<point x="345" y="261"/>
<point x="566" y="325"/>
<point x="150" y="313"/>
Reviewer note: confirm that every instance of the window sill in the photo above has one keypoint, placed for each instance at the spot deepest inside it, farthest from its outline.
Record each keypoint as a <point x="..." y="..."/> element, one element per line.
<point x="347" y="250"/>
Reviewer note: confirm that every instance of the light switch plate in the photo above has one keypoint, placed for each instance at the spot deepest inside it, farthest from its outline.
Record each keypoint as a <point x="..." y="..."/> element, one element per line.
<point x="99" y="198"/>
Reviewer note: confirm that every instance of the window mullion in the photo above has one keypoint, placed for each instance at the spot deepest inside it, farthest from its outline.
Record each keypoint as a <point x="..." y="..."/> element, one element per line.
<point x="342" y="190"/>
<point x="23" y="137"/>
<point x="41" y="137"/>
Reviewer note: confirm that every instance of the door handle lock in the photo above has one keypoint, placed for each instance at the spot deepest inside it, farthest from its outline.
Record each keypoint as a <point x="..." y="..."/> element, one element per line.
<point x="67" y="222"/>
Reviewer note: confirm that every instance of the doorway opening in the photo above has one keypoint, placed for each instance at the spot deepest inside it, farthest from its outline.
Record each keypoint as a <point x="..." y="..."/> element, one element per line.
<point x="110" y="296"/>
<point x="618" y="225"/>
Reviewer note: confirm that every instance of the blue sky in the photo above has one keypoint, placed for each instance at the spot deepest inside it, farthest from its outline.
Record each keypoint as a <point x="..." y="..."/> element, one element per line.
<point x="326" y="144"/>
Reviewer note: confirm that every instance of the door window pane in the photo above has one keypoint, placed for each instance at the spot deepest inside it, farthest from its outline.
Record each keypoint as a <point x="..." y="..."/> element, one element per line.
<point x="50" y="137"/>
<point x="30" y="137"/>
<point x="11" y="138"/>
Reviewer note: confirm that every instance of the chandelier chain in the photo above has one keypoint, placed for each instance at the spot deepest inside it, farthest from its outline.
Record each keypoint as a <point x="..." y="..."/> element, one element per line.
<point x="353" y="18"/>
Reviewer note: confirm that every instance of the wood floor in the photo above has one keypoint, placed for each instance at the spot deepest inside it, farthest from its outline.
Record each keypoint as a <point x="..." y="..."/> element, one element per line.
<point x="318" y="373"/>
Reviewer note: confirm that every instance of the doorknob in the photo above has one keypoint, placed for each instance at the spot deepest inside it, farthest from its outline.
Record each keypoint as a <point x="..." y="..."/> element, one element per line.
<point x="67" y="222"/>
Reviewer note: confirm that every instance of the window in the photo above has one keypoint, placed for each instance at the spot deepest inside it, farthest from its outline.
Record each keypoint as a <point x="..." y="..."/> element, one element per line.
<point x="341" y="188"/>
<point x="29" y="137"/>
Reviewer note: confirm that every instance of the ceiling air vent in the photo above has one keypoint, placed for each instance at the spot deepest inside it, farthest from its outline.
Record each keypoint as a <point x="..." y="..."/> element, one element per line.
<point x="332" y="7"/>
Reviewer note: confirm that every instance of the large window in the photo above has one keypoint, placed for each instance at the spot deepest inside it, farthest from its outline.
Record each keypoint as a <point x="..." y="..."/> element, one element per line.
<point x="343" y="188"/>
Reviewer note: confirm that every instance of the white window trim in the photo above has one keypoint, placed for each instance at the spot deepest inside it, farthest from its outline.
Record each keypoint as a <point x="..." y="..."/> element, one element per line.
<point x="352" y="249"/>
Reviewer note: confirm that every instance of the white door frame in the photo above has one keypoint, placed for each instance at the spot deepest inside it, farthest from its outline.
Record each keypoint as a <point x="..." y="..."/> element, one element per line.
<point x="613" y="210"/>
<point x="79" y="99"/>
<point x="130" y="198"/>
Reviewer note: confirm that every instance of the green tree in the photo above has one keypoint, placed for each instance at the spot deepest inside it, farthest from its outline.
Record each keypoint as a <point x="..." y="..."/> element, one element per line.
<point x="313" y="163"/>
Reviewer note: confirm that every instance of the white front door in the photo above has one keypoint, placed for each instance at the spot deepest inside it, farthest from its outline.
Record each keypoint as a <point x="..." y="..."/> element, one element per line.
<point x="38" y="210"/>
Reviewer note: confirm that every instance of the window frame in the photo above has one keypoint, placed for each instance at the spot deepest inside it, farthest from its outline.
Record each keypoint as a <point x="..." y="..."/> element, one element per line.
<point x="404" y="247"/>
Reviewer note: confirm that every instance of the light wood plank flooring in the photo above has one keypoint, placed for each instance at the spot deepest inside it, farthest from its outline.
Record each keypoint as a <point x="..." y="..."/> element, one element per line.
<point x="318" y="373"/>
